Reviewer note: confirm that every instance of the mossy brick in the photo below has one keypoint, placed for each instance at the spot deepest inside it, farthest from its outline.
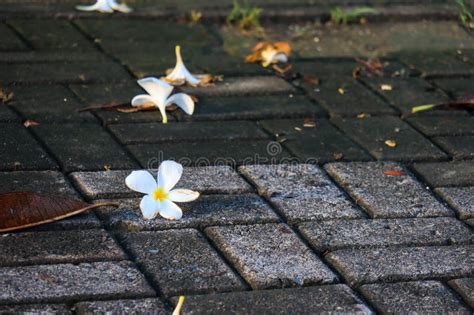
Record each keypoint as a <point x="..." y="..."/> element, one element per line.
<point x="211" y="153"/>
<point x="58" y="247"/>
<point x="413" y="297"/>
<point x="52" y="309"/>
<point x="83" y="147"/>
<point x="465" y="288"/>
<point x="383" y="195"/>
<point x="321" y="143"/>
<point x="10" y="41"/>
<point x="72" y="282"/>
<point x="206" y="180"/>
<point x="53" y="103"/>
<point x="205" y="211"/>
<point x="20" y="151"/>
<point x="361" y="266"/>
<point x="446" y="125"/>
<point x="270" y="256"/>
<point x="133" y="306"/>
<point x="308" y="300"/>
<point x="459" y="147"/>
<point x="181" y="262"/>
<point x="442" y="174"/>
<point x="186" y="131"/>
<point x="372" y="134"/>
<point x="459" y="198"/>
<point x="301" y="192"/>
<point x="342" y="234"/>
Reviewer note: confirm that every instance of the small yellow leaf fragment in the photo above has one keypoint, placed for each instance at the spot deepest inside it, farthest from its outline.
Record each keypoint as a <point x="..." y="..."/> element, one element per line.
<point x="361" y="115"/>
<point x="298" y="129"/>
<point x="386" y="87"/>
<point x="390" y="143"/>
<point x="179" y="306"/>
<point x="341" y="91"/>
<point x="421" y="108"/>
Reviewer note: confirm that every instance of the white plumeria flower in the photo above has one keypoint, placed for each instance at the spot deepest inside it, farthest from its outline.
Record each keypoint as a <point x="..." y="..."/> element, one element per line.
<point x="180" y="73"/>
<point x="105" y="6"/>
<point x="159" y="94"/>
<point x="270" y="56"/>
<point x="160" y="196"/>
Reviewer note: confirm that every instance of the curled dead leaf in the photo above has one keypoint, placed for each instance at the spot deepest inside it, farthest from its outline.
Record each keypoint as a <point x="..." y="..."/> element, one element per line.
<point x="269" y="53"/>
<point x="5" y="96"/>
<point x="372" y="66"/>
<point x="394" y="172"/>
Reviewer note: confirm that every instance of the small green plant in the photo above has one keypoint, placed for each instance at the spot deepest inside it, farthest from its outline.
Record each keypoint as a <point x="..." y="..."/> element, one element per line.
<point x="465" y="15"/>
<point x="339" y="16"/>
<point x="246" y="16"/>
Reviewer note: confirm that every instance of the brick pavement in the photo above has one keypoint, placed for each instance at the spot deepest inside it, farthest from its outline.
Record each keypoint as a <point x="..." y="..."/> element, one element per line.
<point x="346" y="223"/>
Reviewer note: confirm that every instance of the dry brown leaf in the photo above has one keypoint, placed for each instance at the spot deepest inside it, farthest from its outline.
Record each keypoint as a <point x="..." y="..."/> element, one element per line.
<point x="394" y="172"/>
<point x="29" y="123"/>
<point x="82" y="77"/>
<point x="19" y="210"/>
<point x="338" y="156"/>
<point x="267" y="47"/>
<point x="134" y="109"/>
<point x="309" y="123"/>
<point x="373" y="66"/>
<point x="282" y="71"/>
<point x="311" y="79"/>
<point x="361" y="115"/>
<point x="390" y="143"/>
<point x="5" y="96"/>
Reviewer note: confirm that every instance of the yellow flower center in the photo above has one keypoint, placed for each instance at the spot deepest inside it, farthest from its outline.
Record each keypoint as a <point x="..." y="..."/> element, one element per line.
<point x="160" y="195"/>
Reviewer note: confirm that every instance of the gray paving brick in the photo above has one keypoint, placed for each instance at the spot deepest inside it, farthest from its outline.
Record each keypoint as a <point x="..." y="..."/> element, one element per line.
<point x="442" y="174"/>
<point x="447" y="125"/>
<point x="455" y="86"/>
<point x="465" y="288"/>
<point x="206" y="211"/>
<point x="181" y="262"/>
<point x="50" y="56"/>
<point x="141" y="306"/>
<point x="360" y="266"/>
<point x="383" y="195"/>
<point x="7" y="115"/>
<point x="301" y="192"/>
<point x="58" y="247"/>
<point x="181" y="132"/>
<point x="321" y="143"/>
<point x="10" y="41"/>
<point x="436" y="63"/>
<point x="459" y="147"/>
<point x="413" y="298"/>
<point x="54" y="103"/>
<point x="205" y="179"/>
<point x="460" y="198"/>
<point x="50" y="309"/>
<point x="67" y="282"/>
<point x="309" y="300"/>
<point x="20" y="151"/>
<point x="372" y="132"/>
<point x="270" y="256"/>
<point x="83" y="147"/>
<point x="341" y="234"/>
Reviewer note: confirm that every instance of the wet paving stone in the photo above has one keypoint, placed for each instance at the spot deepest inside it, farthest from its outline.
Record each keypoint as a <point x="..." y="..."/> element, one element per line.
<point x="20" y="151"/>
<point x="181" y="262"/>
<point x="7" y="115"/>
<point x="141" y="306"/>
<point x="53" y="309"/>
<point x="68" y="282"/>
<point x="270" y="256"/>
<point x="341" y="234"/>
<point x="349" y="98"/>
<point x="10" y="41"/>
<point x="308" y="300"/>
<point x="83" y="147"/>
<point x="448" y="125"/>
<point x="206" y="180"/>
<point x="321" y="143"/>
<point x="413" y="297"/>
<point x="383" y="195"/>
<point x="372" y="133"/>
<point x="48" y="104"/>
<point x="360" y="266"/>
<point x="456" y="87"/>
<point x="50" y="56"/>
<point x="442" y="174"/>
<point x="435" y="64"/>
<point x="182" y="132"/>
<point x="459" y="147"/>
<point x="460" y="198"/>
<point x="58" y="247"/>
<point x="464" y="287"/>
<point x="205" y="211"/>
<point x="407" y="93"/>
<point x="221" y="152"/>
<point x="301" y="192"/>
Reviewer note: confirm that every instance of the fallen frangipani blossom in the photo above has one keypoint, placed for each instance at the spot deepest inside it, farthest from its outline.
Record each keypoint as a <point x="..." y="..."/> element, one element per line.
<point x="179" y="306"/>
<point x="180" y="74"/>
<point x="269" y="53"/>
<point x="105" y="6"/>
<point x="160" y="197"/>
<point x="159" y="95"/>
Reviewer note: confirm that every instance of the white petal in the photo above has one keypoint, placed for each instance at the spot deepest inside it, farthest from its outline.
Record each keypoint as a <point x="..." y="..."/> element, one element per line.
<point x="100" y="5"/>
<point x="280" y="57"/>
<point x="180" y="72"/>
<point x="141" y="181"/>
<point x="169" y="174"/>
<point x="169" y="210"/>
<point x="158" y="89"/>
<point x="183" y="195"/>
<point x="119" y="7"/>
<point x="142" y="99"/>
<point x="149" y="207"/>
<point x="182" y="100"/>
